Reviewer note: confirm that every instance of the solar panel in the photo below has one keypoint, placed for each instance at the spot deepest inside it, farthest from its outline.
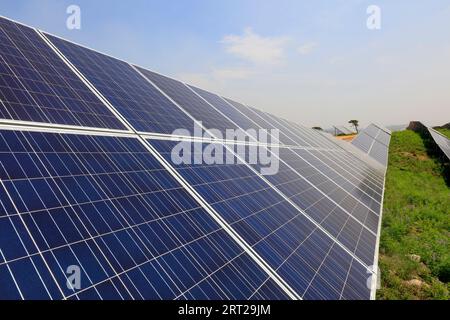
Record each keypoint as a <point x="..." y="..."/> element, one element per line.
<point x="36" y="85"/>
<point x="140" y="225"/>
<point x="190" y="102"/>
<point x="442" y="141"/>
<point x="283" y="138"/>
<point x="106" y="205"/>
<point x="303" y="255"/>
<point x="139" y="102"/>
<point x="374" y="141"/>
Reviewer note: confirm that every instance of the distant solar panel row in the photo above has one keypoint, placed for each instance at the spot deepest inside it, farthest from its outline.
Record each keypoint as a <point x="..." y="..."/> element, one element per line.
<point x="342" y="130"/>
<point x="374" y="141"/>
<point x="442" y="141"/>
<point x="110" y="206"/>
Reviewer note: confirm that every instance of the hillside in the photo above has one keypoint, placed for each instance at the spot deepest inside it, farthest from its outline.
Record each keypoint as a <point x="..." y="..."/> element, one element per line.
<point x="414" y="247"/>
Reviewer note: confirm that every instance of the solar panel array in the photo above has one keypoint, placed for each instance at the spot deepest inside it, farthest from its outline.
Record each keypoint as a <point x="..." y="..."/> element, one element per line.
<point x="88" y="181"/>
<point x="442" y="141"/>
<point x="374" y="141"/>
<point x="342" y="130"/>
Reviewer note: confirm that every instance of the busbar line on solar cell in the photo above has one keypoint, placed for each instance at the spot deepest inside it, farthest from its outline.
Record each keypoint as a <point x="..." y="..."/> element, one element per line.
<point x="103" y="186"/>
<point x="37" y="86"/>
<point x="232" y="193"/>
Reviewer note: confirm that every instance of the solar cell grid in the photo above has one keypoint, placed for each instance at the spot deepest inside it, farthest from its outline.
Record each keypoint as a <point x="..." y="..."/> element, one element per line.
<point x="346" y="226"/>
<point x="140" y="103"/>
<point x="189" y="101"/>
<point x="220" y="104"/>
<point x="36" y="85"/>
<point x="106" y="205"/>
<point x="281" y="234"/>
<point x="283" y="138"/>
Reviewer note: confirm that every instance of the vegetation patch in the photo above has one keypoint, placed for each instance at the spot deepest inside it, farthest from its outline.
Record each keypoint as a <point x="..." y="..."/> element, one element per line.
<point x="415" y="236"/>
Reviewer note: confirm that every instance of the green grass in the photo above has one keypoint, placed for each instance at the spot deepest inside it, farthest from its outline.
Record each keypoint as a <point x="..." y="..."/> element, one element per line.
<point x="445" y="132"/>
<point x="416" y="220"/>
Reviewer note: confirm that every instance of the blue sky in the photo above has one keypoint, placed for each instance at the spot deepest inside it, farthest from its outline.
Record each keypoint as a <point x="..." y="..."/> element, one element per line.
<point x="314" y="62"/>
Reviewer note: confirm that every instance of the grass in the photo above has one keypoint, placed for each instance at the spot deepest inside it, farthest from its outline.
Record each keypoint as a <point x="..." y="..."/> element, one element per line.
<point x="416" y="221"/>
<point x="445" y="132"/>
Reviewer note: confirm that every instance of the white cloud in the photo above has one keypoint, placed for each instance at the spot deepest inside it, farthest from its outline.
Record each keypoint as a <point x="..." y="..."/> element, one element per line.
<point x="307" y="48"/>
<point x="256" y="48"/>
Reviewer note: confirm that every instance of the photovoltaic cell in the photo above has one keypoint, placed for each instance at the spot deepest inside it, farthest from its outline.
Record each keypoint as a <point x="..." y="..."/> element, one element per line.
<point x="283" y="138"/>
<point x="190" y="102"/>
<point x="305" y="257"/>
<point x="36" y="85"/>
<point x="106" y="205"/>
<point x="139" y="102"/>
<point x="226" y="109"/>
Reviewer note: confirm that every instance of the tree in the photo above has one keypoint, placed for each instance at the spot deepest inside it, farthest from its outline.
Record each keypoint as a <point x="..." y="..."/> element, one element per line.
<point x="355" y="123"/>
<point x="317" y="128"/>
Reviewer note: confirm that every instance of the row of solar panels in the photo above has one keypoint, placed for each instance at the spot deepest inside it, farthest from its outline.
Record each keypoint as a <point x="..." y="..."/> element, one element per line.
<point x="87" y="180"/>
<point x="342" y="130"/>
<point x="374" y="141"/>
<point x="441" y="141"/>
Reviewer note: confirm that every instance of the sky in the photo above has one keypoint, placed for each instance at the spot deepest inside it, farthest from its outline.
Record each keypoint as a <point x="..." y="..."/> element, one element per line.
<point x="314" y="62"/>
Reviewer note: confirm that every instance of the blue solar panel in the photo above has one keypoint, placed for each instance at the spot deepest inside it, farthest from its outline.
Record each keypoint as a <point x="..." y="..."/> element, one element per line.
<point x="284" y="139"/>
<point x="374" y="141"/>
<point x="225" y="108"/>
<point x="139" y="102"/>
<point x="355" y="229"/>
<point x="106" y="205"/>
<point x="36" y="85"/>
<point x="302" y="254"/>
<point x="192" y="103"/>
